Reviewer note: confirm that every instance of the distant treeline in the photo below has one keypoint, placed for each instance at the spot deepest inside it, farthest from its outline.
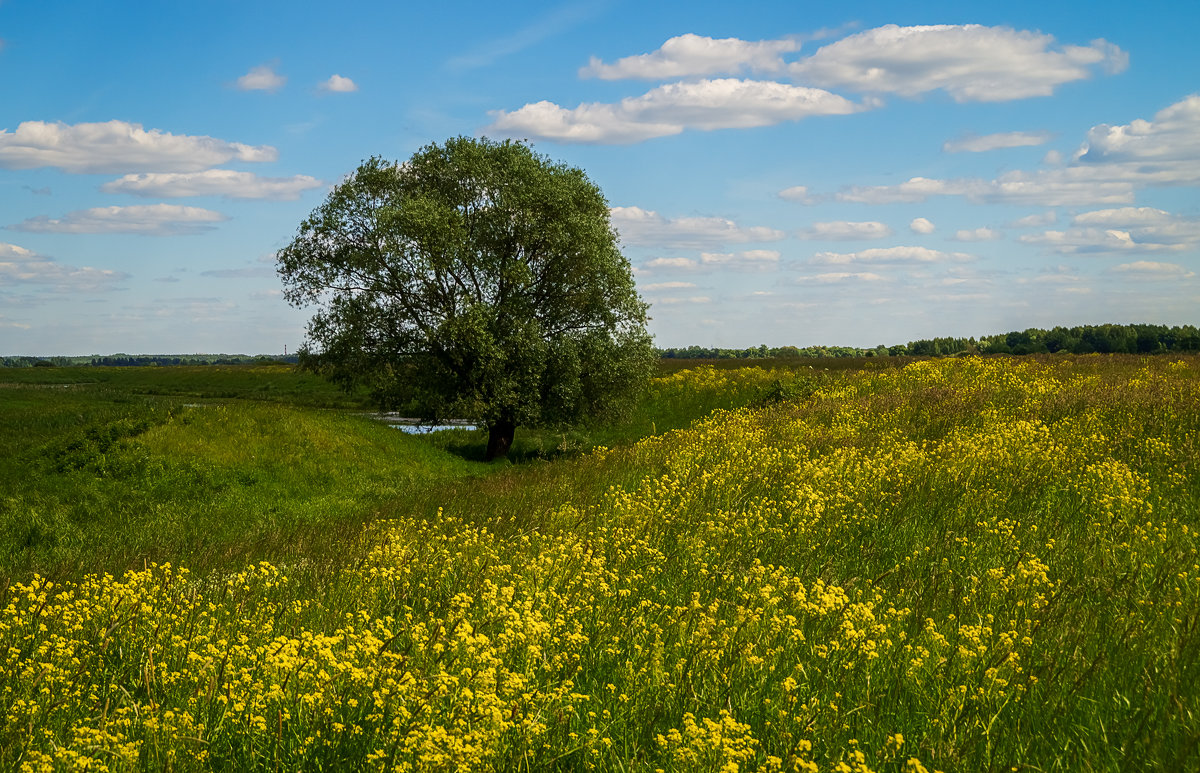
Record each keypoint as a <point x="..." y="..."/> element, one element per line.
<point x="1082" y="339"/>
<point x="135" y="360"/>
<point x="765" y="352"/>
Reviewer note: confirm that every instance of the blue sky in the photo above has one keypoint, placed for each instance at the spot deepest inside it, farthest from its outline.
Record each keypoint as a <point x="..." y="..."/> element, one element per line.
<point x="780" y="173"/>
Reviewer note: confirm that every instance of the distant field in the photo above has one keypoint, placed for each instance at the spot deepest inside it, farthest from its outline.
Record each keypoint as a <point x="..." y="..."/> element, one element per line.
<point x="955" y="565"/>
<point x="280" y="383"/>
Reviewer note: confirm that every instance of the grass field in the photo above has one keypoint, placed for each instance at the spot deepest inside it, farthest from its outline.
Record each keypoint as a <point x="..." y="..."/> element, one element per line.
<point x="957" y="565"/>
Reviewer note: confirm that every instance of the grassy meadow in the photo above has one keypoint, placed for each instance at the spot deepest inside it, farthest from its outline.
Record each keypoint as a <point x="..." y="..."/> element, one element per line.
<point x="957" y="565"/>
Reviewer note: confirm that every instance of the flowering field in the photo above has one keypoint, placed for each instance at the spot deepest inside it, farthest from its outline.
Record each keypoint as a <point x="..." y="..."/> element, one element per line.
<point x="958" y="565"/>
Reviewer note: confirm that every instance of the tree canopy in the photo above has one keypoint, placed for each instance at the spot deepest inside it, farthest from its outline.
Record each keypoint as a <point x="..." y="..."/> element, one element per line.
<point x="477" y="280"/>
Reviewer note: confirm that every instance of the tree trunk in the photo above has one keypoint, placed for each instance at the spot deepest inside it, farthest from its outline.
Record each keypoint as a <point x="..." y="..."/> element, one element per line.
<point x="500" y="439"/>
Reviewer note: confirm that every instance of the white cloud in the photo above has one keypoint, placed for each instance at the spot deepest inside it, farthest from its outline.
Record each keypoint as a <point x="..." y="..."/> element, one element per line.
<point x="845" y="230"/>
<point x="213" y="182"/>
<point x="1171" y="136"/>
<point x="841" y="276"/>
<point x="684" y="264"/>
<point x="748" y="260"/>
<point x="669" y="286"/>
<point x="337" y="85"/>
<point x="690" y="55"/>
<point x="1051" y="189"/>
<point x="1108" y="168"/>
<point x="261" y="78"/>
<point x="148" y="220"/>
<point x="1124" y="216"/>
<point x="1147" y="269"/>
<point x="798" y="193"/>
<point x="118" y="147"/>
<point x="977" y="235"/>
<point x="1040" y="188"/>
<point x="1125" y="229"/>
<point x="726" y="103"/>
<point x="639" y="226"/>
<point x="19" y="265"/>
<point x="970" y="62"/>
<point x="913" y="190"/>
<point x="920" y="225"/>
<point x="975" y="144"/>
<point x="1035" y="221"/>
<point x="891" y="255"/>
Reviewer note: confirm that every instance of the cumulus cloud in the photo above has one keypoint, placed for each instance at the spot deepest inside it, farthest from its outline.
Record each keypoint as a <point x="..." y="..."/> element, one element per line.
<point x="1125" y="216"/>
<point x="971" y="62"/>
<point x="726" y="103"/>
<point x="1108" y="168"/>
<point x="834" y="277"/>
<point x="975" y="144"/>
<point x="1036" y="221"/>
<point x="118" y="147"/>
<point x="891" y="255"/>
<point x="798" y="193"/>
<point x="920" y="225"/>
<point x="1041" y="188"/>
<point x="1125" y="229"/>
<point x="912" y="190"/>
<point x="337" y="85"/>
<point x="845" y="230"/>
<point x="977" y="235"/>
<point x="680" y="264"/>
<point x="213" y="182"/>
<point x="261" y="78"/>
<point x="19" y="265"/>
<point x="1148" y="269"/>
<point x="639" y="226"/>
<point x="147" y="220"/>
<point x="748" y="260"/>
<point x="691" y="55"/>
<point x="1170" y="137"/>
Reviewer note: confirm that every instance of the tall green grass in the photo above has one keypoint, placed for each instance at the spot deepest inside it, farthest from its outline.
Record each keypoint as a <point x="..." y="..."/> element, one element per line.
<point x="958" y="566"/>
<point x="111" y="468"/>
<point x="102" y="479"/>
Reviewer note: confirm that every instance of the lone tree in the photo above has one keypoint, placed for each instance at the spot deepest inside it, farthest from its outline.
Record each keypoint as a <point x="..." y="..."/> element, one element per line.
<point x="476" y="280"/>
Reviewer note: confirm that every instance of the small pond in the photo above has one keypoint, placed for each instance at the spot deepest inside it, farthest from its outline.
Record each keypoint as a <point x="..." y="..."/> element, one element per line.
<point x="415" y="427"/>
<point x="421" y="429"/>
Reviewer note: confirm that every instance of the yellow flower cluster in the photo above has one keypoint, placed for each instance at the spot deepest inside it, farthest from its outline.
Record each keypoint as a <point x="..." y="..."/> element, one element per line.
<point x="958" y="564"/>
